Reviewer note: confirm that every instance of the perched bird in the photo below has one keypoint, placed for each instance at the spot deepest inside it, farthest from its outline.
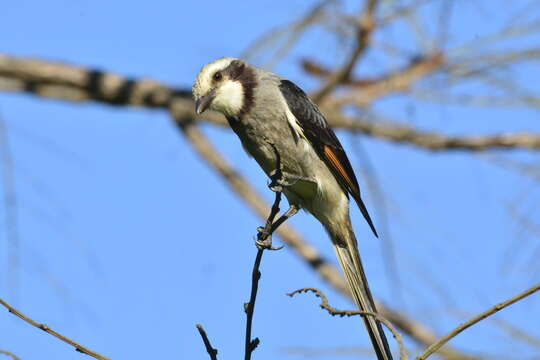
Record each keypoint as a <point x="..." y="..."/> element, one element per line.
<point x="271" y="114"/>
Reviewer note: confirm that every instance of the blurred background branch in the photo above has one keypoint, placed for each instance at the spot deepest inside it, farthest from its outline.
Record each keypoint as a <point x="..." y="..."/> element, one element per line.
<point x="68" y="82"/>
<point x="10" y="354"/>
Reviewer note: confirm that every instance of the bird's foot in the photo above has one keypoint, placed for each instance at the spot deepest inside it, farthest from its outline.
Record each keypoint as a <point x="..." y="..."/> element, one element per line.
<point x="264" y="239"/>
<point x="279" y="180"/>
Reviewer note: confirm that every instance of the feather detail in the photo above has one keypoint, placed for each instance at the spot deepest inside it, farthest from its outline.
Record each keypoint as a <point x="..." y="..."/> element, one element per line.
<point x="324" y="141"/>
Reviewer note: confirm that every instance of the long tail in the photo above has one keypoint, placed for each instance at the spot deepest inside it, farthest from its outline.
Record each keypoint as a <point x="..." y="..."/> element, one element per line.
<point x="349" y="258"/>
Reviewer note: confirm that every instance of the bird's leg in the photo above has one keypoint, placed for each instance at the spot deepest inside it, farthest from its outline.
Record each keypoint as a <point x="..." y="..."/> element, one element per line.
<point x="264" y="236"/>
<point x="280" y="180"/>
<point x="277" y="182"/>
<point x="293" y="209"/>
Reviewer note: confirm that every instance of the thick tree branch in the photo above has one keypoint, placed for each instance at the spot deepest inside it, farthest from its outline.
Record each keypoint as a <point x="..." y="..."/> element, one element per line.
<point x="431" y="140"/>
<point x="50" y="331"/>
<point x="67" y="82"/>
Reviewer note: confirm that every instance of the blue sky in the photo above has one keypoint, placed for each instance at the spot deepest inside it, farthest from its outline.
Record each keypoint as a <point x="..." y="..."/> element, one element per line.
<point x="128" y="239"/>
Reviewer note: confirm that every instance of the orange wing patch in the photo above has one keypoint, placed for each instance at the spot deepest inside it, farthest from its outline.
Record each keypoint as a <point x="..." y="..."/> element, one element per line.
<point x="336" y="164"/>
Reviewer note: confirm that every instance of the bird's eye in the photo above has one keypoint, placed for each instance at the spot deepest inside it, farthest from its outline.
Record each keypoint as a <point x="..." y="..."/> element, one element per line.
<point x="217" y="76"/>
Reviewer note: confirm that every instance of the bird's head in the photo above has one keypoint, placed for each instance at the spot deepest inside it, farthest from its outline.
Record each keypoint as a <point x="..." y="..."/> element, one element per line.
<point x="224" y="85"/>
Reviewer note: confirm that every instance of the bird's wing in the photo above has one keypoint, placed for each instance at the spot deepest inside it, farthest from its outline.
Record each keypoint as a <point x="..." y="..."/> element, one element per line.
<point x="325" y="142"/>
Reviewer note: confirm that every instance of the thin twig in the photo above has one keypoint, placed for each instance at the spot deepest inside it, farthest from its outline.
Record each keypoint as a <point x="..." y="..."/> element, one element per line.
<point x="291" y="30"/>
<point x="333" y="311"/>
<point x="211" y="351"/>
<point x="251" y="344"/>
<point x="288" y="35"/>
<point x="262" y="244"/>
<point x="9" y="353"/>
<point x="434" y="347"/>
<point x="363" y="34"/>
<point x="263" y="235"/>
<point x="393" y="82"/>
<point x="50" y="331"/>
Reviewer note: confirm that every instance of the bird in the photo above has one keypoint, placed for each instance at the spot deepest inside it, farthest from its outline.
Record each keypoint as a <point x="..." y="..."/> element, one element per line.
<point x="277" y="122"/>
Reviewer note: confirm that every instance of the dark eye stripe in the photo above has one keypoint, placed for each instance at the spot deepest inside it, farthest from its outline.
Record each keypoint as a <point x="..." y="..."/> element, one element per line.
<point x="217" y="76"/>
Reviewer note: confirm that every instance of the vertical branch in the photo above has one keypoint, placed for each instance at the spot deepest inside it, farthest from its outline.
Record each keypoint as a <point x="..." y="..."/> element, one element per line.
<point x="262" y="243"/>
<point x="251" y="344"/>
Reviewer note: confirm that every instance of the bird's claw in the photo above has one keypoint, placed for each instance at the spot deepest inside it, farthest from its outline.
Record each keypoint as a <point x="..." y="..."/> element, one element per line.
<point x="276" y="181"/>
<point x="264" y="240"/>
<point x="275" y="187"/>
<point x="279" y="180"/>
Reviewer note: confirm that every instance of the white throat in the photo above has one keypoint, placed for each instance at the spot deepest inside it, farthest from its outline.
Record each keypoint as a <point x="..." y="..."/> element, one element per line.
<point x="229" y="98"/>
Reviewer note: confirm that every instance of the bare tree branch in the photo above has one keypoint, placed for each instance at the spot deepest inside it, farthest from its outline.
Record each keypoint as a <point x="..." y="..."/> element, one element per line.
<point x="10" y="354"/>
<point x="401" y="10"/>
<point x="365" y="27"/>
<point x="434" y="347"/>
<point x="333" y="311"/>
<point x="431" y="140"/>
<point x="52" y="332"/>
<point x="67" y="82"/>
<point x="211" y="351"/>
<point x="366" y="90"/>
<point x="249" y="307"/>
<point x="263" y="242"/>
<point x="416" y="68"/>
<point x="394" y="82"/>
<point x="517" y="333"/>
<point x="291" y="33"/>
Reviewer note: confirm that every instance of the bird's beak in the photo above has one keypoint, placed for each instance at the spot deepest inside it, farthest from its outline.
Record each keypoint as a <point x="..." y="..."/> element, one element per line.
<point x="204" y="102"/>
